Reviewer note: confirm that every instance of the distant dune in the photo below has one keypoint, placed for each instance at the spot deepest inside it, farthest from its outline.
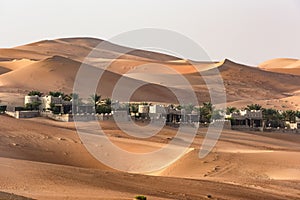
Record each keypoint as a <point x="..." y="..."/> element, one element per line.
<point x="53" y="65"/>
<point x="282" y="65"/>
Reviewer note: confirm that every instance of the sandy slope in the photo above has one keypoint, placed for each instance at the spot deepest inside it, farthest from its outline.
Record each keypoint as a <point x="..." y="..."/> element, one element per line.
<point x="53" y="65"/>
<point x="79" y="48"/>
<point x="58" y="73"/>
<point x="282" y="65"/>
<point x="16" y="64"/>
<point x="47" y="161"/>
<point x="11" y="196"/>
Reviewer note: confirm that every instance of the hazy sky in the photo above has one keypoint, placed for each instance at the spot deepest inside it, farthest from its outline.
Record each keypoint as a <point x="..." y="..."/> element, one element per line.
<point x="248" y="31"/>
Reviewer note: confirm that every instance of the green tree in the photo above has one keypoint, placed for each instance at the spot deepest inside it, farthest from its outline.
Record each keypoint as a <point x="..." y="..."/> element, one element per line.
<point x="95" y="99"/>
<point x="102" y="109"/>
<point x="230" y="110"/>
<point x="272" y="117"/>
<point x="179" y="107"/>
<point x="254" y="107"/>
<point x="33" y="106"/>
<point x="134" y="108"/>
<point x="35" y="93"/>
<point x="107" y="101"/>
<point x="54" y="109"/>
<point x="206" y="112"/>
<point x="56" y="94"/>
<point x="289" y="115"/>
<point x="298" y="114"/>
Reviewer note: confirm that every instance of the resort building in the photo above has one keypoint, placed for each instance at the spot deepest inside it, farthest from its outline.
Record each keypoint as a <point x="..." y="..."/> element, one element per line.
<point x="248" y="119"/>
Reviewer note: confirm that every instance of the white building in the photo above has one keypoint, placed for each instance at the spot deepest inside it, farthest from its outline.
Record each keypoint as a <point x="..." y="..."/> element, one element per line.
<point x="31" y="99"/>
<point x="155" y="109"/>
<point x="247" y="119"/>
<point x="143" y="109"/>
<point x="47" y="101"/>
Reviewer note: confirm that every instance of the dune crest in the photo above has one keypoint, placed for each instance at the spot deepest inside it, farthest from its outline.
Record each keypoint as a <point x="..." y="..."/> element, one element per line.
<point x="53" y="65"/>
<point x="282" y="65"/>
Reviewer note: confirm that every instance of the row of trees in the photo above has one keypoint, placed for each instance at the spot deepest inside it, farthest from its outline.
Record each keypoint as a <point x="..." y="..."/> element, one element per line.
<point x="101" y="105"/>
<point x="66" y="97"/>
<point x="35" y="105"/>
<point x="270" y="113"/>
<point x="271" y="117"/>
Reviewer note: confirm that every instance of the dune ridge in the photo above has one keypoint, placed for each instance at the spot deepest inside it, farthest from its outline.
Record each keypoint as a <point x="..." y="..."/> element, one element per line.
<point x="282" y="65"/>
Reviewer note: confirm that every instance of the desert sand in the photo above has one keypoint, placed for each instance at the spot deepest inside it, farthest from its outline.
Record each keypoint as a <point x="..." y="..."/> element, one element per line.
<point x="282" y="65"/>
<point x="53" y="65"/>
<point x="44" y="159"/>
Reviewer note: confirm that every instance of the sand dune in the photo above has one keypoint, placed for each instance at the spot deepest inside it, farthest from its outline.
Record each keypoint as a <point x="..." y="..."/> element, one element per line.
<point x="253" y="84"/>
<point x="58" y="73"/>
<point x="16" y="64"/>
<point x="79" y="48"/>
<point x="282" y="65"/>
<point x="25" y="67"/>
<point x="48" y="161"/>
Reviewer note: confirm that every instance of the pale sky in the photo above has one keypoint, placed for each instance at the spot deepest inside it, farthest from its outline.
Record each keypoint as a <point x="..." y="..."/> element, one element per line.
<point x="246" y="31"/>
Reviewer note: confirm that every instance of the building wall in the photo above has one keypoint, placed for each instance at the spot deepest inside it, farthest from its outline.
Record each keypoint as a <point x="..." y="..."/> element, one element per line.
<point x="243" y="114"/>
<point x="292" y="125"/>
<point x="31" y="99"/>
<point x="144" y="109"/>
<point x="23" y="114"/>
<point x="71" y="117"/>
<point x="48" y="100"/>
<point x="156" y="109"/>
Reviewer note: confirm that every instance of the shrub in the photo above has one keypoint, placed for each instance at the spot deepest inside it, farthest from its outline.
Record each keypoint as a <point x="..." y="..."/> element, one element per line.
<point x="140" y="197"/>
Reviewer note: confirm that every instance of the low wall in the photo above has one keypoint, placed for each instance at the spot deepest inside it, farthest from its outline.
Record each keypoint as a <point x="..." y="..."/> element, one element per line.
<point x="77" y="117"/>
<point x="23" y="114"/>
<point x="63" y="118"/>
<point x="218" y="123"/>
<point x="246" y="128"/>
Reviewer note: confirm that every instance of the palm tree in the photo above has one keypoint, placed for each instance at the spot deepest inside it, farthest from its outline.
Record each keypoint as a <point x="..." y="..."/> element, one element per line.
<point x="134" y="108"/>
<point x="289" y="115"/>
<point x="208" y="105"/>
<point x="107" y="101"/>
<point x="230" y="110"/>
<point x="56" y="94"/>
<point x="95" y="98"/>
<point x="206" y="112"/>
<point x="298" y="114"/>
<point x="272" y="117"/>
<point x="35" y="93"/>
<point x="254" y="107"/>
